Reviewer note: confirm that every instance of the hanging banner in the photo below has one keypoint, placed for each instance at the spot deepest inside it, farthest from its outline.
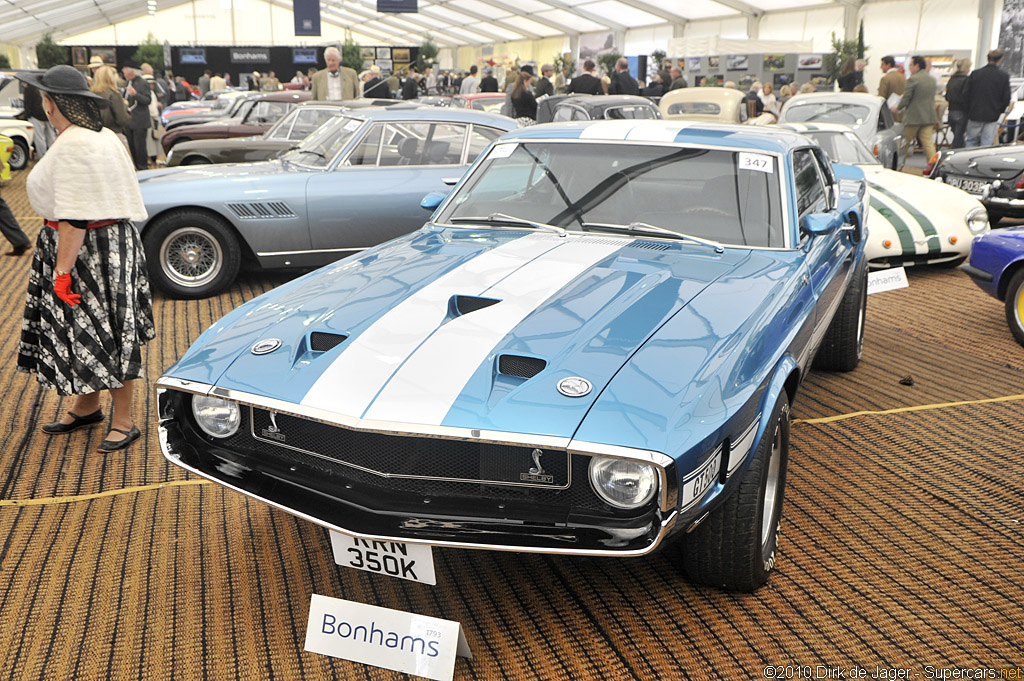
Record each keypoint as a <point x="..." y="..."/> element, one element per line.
<point x="395" y="6"/>
<point x="307" y="17"/>
<point x="250" y="55"/>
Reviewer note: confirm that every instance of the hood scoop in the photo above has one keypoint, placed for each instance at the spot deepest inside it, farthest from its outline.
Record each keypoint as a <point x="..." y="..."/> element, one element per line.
<point x="461" y="305"/>
<point x="321" y="341"/>
<point x="520" y="366"/>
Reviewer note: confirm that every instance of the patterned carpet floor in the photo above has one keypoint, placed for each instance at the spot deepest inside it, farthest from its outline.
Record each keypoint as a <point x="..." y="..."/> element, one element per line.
<point x="902" y="540"/>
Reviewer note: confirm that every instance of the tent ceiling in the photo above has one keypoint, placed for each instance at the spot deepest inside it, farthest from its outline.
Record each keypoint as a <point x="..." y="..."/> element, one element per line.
<point x="450" y="22"/>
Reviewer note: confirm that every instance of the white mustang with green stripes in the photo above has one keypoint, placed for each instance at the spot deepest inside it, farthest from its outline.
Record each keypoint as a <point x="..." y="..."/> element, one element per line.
<point x="913" y="220"/>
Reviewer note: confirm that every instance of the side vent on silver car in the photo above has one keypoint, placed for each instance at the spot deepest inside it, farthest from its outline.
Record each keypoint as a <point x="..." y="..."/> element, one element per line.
<point x="321" y="341"/>
<point x="460" y="305"/>
<point x="520" y="366"/>
<point x="261" y="210"/>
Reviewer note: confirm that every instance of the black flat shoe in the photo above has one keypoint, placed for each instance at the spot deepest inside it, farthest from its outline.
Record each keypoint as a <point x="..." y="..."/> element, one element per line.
<point x="131" y="436"/>
<point x="58" y="428"/>
<point x="19" y="250"/>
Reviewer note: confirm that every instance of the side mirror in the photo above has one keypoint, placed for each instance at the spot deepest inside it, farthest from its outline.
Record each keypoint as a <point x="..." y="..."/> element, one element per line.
<point x="819" y="224"/>
<point x="432" y="200"/>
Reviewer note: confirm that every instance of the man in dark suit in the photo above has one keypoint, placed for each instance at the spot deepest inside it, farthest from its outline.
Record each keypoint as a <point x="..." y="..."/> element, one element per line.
<point x="622" y="82"/>
<point x="586" y="83"/>
<point x="138" y="95"/>
<point x="411" y="87"/>
<point x="544" y="86"/>
<point x="488" y="83"/>
<point x="988" y="94"/>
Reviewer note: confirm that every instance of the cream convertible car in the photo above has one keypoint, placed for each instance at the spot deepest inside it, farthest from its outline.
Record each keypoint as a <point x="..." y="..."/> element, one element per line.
<point x="911" y="220"/>
<point x="712" y="104"/>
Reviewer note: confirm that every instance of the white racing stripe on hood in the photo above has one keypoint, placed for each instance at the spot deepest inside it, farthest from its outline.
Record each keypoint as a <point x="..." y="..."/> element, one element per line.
<point x="427" y="385"/>
<point x="350" y="383"/>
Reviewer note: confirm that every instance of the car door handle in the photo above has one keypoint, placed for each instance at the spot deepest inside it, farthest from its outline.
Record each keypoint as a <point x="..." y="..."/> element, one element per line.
<point x="450" y="181"/>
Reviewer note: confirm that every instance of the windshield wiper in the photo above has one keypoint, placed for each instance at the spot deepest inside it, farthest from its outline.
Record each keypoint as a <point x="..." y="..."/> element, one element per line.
<point x="644" y="228"/>
<point x="311" y="151"/>
<point x="510" y="220"/>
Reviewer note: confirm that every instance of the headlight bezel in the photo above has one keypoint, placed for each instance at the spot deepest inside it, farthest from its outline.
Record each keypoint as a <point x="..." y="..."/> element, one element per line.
<point x="650" y="481"/>
<point x="972" y="215"/>
<point x="201" y="404"/>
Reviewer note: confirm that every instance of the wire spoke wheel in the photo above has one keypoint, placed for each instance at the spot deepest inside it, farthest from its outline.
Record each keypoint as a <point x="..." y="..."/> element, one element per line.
<point x="191" y="257"/>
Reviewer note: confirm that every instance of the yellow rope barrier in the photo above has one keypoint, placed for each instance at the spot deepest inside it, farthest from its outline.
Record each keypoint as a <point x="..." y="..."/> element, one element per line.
<point x="900" y="410"/>
<point x="100" y="495"/>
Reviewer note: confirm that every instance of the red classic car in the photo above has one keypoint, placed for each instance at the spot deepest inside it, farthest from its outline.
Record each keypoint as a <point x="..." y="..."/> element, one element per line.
<point x="255" y="117"/>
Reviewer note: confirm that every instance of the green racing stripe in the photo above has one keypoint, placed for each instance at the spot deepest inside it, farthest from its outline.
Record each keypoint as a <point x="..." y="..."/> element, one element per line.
<point x="902" y="231"/>
<point x="934" y="243"/>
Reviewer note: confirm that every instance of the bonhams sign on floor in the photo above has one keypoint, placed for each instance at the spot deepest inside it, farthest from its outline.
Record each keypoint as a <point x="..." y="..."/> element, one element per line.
<point x="401" y="641"/>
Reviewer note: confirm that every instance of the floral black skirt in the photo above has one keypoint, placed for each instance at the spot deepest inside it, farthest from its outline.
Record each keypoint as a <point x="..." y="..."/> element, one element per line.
<point x="97" y="344"/>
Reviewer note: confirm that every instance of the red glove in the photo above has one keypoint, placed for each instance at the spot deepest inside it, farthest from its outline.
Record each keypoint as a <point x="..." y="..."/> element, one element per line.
<point x="62" y="287"/>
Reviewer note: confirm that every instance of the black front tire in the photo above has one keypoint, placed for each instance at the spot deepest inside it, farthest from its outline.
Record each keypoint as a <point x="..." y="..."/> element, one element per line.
<point x="19" y="157"/>
<point x="192" y="253"/>
<point x="843" y="344"/>
<point x="735" y="547"/>
<point x="196" y="161"/>
<point x="1015" y="306"/>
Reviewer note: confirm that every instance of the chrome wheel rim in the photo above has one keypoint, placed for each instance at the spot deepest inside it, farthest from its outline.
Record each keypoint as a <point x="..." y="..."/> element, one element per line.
<point x="191" y="257"/>
<point x="18" y="157"/>
<point x="861" y="315"/>
<point x="1018" y="309"/>
<point x="771" y="491"/>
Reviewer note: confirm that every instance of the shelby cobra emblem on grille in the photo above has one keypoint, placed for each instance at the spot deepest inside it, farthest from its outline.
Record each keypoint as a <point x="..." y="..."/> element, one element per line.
<point x="273" y="432"/>
<point x="536" y="473"/>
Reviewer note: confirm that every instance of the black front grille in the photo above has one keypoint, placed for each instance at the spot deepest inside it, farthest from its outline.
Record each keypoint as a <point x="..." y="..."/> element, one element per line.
<point x="456" y="459"/>
<point x="396" y="455"/>
<point x="320" y="341"/>
<point x="523" y="367"/>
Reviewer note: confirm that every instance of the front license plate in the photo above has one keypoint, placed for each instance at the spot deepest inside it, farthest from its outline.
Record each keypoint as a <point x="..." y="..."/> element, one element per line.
<point x="969" y="186"/>
<point x="414" y="562"/>
<point x="698" y="483"/>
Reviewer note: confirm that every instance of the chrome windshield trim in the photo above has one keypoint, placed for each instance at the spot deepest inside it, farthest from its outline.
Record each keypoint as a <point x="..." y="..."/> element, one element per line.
<point x="667" y="523"/>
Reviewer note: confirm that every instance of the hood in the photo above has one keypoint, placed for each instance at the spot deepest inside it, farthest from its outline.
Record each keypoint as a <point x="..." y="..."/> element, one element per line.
<point x="459" y="328"/>
<point x="203" y="173"/>
<point x="1003" y="163"/>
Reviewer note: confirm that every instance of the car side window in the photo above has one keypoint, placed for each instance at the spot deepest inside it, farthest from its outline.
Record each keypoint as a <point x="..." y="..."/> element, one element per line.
<point x="883" y="124"/>
<point x="365" y="153"/>
<point x="267" y="112"/>
<point x="419" y="143"/>
<point x="479" y="138"/>
<point x="579" y="114"/>
<point x="306" y="122"/>
<point x="562" y="113"/>
<point x="810" y="190"/>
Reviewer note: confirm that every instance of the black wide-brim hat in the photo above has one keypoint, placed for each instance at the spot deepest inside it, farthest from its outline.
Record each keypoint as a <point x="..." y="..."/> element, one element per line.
<point x="62" y="80"/>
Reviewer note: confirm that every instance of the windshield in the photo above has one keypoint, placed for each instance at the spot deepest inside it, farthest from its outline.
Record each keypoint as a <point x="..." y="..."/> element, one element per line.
<point x="320" y="148"/>
<point x="843" y="147"/>
<point x="632" y="112"/>
<point x="826" y="112"/>
<point x="700" y="192"/>
<point x="489" y="104"/>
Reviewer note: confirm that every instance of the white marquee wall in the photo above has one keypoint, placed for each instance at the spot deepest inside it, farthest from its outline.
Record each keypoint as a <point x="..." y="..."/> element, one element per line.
<point x="890" y="27"/>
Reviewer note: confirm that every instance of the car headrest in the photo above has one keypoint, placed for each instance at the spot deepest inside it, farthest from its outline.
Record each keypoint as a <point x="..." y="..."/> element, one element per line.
<point x="437" y="151"/>
<point x="407" y="147"/>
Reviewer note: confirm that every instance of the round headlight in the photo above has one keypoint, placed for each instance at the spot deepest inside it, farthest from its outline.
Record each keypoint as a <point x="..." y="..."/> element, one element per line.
<point x="217" y="417"/>
<point x="623" y="483"/>
<point x="977" y="220"/>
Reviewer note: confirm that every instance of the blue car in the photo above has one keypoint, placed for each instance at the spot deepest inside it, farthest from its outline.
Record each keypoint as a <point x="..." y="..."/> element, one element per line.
<point x="590" y="349"/>
<point x="997" y="266"/>
<point x="353" y="183"/>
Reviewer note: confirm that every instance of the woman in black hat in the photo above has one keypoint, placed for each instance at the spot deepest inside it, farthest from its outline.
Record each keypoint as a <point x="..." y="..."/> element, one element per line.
<point x="89" y="309"/>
